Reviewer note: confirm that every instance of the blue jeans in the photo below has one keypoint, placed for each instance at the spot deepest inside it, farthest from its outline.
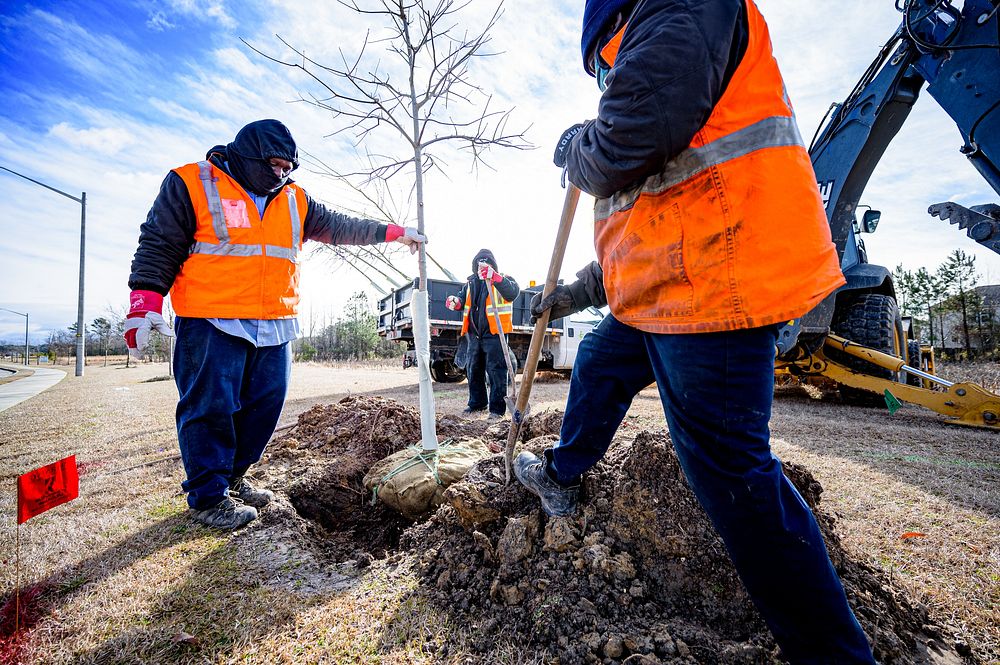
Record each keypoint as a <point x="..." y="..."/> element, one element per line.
<point x="486" y="360"/>
<point x="231" y="394"/>
<point x="716" y="390"/>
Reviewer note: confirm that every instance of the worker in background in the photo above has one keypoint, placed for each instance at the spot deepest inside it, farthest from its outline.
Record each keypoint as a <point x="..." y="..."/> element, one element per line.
<point x="710" y="233"/>
<point x="224" y="238"/>
<point x="484" y="287"/>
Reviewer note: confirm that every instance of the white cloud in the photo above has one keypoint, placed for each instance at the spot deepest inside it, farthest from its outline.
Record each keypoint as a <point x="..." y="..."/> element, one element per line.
<point x="201" y="9"/>
<point x="103" y="140"/>
<point x="158" y="22"/>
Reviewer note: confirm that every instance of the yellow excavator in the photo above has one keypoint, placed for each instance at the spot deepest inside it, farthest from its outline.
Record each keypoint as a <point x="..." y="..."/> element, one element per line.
<point x="856" y="336"/>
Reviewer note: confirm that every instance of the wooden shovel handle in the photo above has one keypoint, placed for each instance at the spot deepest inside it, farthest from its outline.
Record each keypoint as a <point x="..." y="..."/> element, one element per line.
<point x="538" y="335"/>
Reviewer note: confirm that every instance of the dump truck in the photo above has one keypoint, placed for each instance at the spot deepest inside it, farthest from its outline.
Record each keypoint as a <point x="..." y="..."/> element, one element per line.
<point x="395" y="322"/>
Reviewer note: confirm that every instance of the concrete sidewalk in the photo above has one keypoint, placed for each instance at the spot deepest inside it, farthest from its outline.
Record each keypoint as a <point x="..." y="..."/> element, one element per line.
<point x="17" y="391"/>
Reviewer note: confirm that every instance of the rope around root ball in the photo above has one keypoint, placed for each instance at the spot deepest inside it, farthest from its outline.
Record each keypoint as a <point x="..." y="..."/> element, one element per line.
<point x="428" y="458"/>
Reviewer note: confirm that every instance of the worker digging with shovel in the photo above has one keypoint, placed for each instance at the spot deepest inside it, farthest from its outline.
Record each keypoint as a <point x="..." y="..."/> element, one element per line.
<point x="710" y="233"/>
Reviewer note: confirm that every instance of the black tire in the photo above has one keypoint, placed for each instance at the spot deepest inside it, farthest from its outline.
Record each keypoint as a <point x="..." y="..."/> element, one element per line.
<point x="913" y="360"/>
<point x="871" y="320"/>
<point x="445" y="371"/>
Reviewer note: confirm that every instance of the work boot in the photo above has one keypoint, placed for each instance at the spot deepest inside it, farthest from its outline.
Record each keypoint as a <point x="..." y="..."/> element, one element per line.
<point x="494" y="416"/>
<point x="557" y="501"/>
<point x="228" y="514"/>
<point x="241" y="489"/>
<point x="468" y="411"/>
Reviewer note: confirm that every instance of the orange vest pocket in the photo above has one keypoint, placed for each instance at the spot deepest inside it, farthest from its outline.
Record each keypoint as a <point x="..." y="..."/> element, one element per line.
<point x="647" y="271"/>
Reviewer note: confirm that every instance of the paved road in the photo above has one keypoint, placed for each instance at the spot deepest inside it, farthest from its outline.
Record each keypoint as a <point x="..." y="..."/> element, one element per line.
<point x="16" y="392"/>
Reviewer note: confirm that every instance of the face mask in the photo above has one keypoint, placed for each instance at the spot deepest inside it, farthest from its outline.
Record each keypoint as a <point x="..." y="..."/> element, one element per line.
<point x="256" y="175"/>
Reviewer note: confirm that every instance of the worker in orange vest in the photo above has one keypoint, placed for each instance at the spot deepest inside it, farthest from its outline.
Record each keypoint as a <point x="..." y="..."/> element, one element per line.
<point x="224" y="237"/>
<point x="485" y="287"/>
<point x="710" y="233"/>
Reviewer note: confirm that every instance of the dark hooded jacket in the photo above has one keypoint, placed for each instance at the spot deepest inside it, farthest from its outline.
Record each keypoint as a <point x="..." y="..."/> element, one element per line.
<point x="475" y="289"/>
<point x="167" y="235"/>
<point x="674" y="64"/>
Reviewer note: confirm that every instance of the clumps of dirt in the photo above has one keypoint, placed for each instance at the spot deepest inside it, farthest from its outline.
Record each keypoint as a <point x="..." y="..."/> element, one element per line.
<point x="547" y="421"/>
<point x="638" y="575"/>
<point x="321" y="461"/>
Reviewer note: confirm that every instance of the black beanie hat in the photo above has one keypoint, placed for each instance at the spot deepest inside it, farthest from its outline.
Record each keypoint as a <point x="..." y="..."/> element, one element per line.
<point x="266" y="139"/>
<point x="485" y="256"/>
<point x="249" y="154"/>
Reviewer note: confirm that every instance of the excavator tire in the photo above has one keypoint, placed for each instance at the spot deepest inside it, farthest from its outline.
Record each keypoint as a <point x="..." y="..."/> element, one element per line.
<point x="445" y="371"/>
<point x="913" y="360"/>
<point x="871" y="320"/>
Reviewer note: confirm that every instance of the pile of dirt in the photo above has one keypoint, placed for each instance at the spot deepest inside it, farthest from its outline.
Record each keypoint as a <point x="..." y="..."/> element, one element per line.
<point x="638" y="575"/>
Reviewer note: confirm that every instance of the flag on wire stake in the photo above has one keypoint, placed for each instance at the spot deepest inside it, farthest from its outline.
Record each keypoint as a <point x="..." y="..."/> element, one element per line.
<point x="47" y="487"/>
<point x="37" y="491"/>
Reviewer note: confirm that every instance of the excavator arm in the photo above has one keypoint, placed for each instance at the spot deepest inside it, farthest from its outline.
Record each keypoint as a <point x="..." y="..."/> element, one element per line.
<point x="955" y="53"/>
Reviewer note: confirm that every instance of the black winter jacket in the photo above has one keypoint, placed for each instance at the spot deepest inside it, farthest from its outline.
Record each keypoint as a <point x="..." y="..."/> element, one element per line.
<point x="167" y="235"/>
<point x="475" y="289"/>
<point x="673" y="66"/>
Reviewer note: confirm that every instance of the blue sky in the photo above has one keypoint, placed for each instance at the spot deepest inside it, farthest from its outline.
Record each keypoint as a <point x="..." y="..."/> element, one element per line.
<point x="107" y="97"/>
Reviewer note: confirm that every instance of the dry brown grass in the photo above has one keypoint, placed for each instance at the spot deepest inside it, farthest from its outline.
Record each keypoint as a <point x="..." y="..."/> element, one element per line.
<point x="128" y="577"/>
<point x="885" y="476"/>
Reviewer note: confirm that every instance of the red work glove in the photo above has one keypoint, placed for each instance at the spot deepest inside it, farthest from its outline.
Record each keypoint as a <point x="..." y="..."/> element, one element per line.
<point x="144" y="316"/>
<point x="453" y="303"/>
<point x="487" y="273"/>
<point x="407" y="235"/>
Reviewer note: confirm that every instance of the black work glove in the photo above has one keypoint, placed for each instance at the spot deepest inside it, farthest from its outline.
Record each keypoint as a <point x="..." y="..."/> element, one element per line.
<point x="559" y="157"/>
<point x="586" y="291"/>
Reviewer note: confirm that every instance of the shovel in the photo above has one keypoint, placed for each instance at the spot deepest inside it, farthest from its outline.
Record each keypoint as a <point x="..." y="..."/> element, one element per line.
<point x="511" y="397"/>
<point x="538" y="335"/>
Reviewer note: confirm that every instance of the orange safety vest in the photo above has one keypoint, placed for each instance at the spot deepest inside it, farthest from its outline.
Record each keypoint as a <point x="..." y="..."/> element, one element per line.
<point x="240" y="266"/>
<point x="732" y="233"/>
<point x="505" y="309"/>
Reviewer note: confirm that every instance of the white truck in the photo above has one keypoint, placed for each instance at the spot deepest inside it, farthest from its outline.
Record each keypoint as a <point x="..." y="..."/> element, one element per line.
<point x="395" y="322"/>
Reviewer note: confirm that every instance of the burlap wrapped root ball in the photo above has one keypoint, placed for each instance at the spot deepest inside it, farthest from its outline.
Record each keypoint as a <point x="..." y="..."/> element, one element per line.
<point x="413" y="480"/>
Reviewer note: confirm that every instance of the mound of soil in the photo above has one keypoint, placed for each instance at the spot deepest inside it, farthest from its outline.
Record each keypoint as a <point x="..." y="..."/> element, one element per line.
<point x="638" y="575"/>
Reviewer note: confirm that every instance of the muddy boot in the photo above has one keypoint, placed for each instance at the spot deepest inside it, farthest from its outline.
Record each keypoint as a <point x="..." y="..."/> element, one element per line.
<point x="248" y="494"/>
<point x="557" y="501"/>
<point x="494" y="417"/>
<point x="227" y="514"/>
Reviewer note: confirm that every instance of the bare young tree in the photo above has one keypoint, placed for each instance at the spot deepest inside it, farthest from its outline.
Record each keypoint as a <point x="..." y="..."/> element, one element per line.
<point x="958" y="276"/>
<point x="410" y="83"/>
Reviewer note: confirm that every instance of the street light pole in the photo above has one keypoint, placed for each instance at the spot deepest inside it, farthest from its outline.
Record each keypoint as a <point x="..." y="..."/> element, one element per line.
<point x="25" y="332"/>
<point x="82" y="200"/>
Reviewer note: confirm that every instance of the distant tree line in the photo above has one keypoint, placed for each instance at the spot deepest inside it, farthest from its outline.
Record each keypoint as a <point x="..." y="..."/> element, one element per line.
<point x="352" y="336"/>
<point x="950" y="310"/>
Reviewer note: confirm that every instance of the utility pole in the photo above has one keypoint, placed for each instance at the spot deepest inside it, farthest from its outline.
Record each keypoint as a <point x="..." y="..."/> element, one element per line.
<point x="80" y="329"/>
<point x="25" y="332"/>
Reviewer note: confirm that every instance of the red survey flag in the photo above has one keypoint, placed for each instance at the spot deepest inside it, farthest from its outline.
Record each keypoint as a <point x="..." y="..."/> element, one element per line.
<point x="47" y="487"/>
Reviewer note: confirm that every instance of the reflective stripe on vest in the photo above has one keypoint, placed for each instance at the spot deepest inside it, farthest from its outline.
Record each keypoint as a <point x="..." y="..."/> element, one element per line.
<point x="773" y="132"/>
<point x="731" y="233"/>
<point x="224" y="247"/>
<point x="505" y="309"/>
